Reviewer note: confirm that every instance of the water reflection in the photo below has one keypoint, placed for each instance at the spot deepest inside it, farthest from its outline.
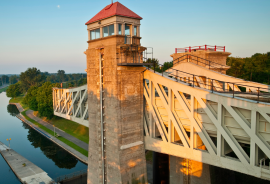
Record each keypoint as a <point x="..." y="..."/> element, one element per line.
<point x="59" y="156"/>
<point x="12" y="110"/>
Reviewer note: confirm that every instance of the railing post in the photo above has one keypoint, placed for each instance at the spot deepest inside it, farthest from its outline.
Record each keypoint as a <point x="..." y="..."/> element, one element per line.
<point x="189" y="49"/>
<point x="258" y="94"/>
<point x="205" y="47"/>
<point x="212" y="86"/>
<point x="215" y="48"/>
<point x="175" y="50"/>
<point x="193" y="80"/>
<point x="233" y="90"/>
<point x="224" y="48"/>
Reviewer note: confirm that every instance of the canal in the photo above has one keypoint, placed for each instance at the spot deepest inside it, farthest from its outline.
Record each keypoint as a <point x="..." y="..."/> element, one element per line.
<point x="42" y="152"/>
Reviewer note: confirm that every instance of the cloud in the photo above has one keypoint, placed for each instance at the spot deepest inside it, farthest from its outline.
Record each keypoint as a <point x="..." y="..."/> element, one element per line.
<point x="58" y="6"/>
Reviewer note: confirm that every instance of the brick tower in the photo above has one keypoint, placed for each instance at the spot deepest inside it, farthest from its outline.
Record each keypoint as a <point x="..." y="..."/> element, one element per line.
<point x="115" y="97"/>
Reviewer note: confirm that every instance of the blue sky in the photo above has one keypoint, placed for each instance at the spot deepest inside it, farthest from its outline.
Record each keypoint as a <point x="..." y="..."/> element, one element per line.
<point x="41" y="34"/>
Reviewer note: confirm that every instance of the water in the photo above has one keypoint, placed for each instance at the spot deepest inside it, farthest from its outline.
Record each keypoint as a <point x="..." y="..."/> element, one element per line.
<point x="31" y="145"/>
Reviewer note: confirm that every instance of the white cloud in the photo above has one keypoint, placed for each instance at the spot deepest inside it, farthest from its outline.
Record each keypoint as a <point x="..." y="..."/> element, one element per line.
<point x="58" y="6"/>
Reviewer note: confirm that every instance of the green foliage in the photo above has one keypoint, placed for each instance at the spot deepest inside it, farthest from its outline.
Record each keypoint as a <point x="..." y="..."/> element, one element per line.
<point x="30" y="98"/>
<point x="31" y="77"/>
<point x="13" y="79"/>
<point x="256" y="68"/>
<point x="14" y="90"/>
<point x="61" y="75"/>
<point x="159" y="67"/>
<point x="4" y="79"/>
<point x="45" y="100"/>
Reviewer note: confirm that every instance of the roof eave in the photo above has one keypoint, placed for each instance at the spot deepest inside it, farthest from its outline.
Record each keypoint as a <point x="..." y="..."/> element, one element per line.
<point x="112" y="16"/>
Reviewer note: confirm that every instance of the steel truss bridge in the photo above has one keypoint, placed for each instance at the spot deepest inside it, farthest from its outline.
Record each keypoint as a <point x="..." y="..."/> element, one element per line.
<point x="198" y="117"/>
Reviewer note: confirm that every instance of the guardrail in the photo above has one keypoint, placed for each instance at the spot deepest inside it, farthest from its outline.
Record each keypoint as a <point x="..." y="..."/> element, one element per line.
<point x="70" y="176"/>
<point x="222" y="86"/>
<point x="203" y="47"/>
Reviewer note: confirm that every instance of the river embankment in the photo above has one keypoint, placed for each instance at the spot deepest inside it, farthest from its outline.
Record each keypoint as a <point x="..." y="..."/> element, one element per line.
<point x="49" y="132"/>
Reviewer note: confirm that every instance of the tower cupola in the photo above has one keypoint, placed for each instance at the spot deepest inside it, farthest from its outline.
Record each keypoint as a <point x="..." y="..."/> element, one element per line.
<point x="114" y="19"/>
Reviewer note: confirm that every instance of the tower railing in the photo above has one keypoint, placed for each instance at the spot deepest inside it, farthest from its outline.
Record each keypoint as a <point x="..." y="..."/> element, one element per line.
<point x="203" y="47"/>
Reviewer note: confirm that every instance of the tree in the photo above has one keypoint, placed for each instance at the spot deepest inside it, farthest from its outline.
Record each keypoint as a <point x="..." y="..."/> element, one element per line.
<point x="45" y="100"/>
<point x="13" y="79"/>
<point x="31" y="98"/>
<point x="237" y="65"/>
<point x="31" y="77"/>
<point x="61" y="75"/>
<point x="5" y="79"/>
<point x="14" y="90"/>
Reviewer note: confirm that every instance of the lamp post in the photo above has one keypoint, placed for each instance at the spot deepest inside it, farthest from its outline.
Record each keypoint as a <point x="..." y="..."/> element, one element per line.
<point x="53" y="130"/>
<point x="9" y="142"/>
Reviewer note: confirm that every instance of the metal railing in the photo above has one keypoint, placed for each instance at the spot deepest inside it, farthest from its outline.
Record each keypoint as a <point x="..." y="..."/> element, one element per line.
<point x="201" y="61"/>
<point x="70" y="176"/>
<point x="203" y="47"/>
<point x="235" y="89"/>
<point x="129" y="54"/>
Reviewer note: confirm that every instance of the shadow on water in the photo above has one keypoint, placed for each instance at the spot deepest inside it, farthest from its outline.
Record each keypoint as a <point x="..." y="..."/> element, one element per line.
<point x="12" y="110"/>
<point x="59" y="156"/>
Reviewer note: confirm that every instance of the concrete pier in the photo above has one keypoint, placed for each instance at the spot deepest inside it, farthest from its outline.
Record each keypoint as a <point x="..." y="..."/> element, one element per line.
<point x="26" y="171"/>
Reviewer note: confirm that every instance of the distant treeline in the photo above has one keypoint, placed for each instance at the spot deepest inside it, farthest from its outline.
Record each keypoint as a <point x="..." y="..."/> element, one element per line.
<point x="255" y="68"/>
<point x="8" y="79"/>
<point x="38" y="86"/>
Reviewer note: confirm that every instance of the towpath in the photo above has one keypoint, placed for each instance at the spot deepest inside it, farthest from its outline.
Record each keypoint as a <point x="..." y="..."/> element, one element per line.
<point x="67" y="136"/>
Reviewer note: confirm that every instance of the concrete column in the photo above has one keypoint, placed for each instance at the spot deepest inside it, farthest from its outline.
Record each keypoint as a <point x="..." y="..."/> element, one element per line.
<point x="138" y="31"/>
<point x="176" y="174"/>
<point x="89" y="36"/>
<point x="101" y="32"/>
<point x="123" y="29"/>
<point x="115" y="29"/>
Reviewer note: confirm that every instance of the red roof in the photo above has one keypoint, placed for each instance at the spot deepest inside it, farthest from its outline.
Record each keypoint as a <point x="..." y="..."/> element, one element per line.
<point x="114" y="9"/>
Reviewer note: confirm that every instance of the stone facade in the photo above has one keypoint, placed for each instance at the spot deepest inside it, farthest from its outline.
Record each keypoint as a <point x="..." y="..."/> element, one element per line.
<point x="123" y="116"/>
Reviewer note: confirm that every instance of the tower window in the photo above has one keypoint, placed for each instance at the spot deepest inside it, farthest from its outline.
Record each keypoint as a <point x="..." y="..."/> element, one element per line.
<point x="127" y="29"/>
<point x="95" y="34"/>
<point x="119" y="29"/>
<point x="135" y="30"/>
<point x="108" y="30"/>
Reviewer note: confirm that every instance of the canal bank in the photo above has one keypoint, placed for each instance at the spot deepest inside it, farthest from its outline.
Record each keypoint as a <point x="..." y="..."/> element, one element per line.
<point x="33" y="146"/>
<point x="51" y="137"/>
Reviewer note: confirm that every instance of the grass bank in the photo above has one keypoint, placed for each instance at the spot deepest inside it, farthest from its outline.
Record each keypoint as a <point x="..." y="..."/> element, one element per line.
<point x="69" y="143"/>
<point x="19" y="100"/>
<point x="3" y="89"/>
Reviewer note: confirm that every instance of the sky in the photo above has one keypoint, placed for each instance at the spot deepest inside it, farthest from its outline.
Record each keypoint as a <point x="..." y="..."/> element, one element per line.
<point x="51" y="35"/>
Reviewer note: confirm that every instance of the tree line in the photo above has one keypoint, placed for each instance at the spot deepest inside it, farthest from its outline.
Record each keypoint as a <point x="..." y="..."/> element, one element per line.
<point x="4" y="79"/>
<point x="37" y="87"/>
<point x="255" y="68"/>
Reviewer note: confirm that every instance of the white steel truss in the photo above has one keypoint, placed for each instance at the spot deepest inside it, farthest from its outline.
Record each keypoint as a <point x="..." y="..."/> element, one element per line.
<point x="192" y="123"/>
<point x="213" y="128"/>
<point x="71" y="104"/>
